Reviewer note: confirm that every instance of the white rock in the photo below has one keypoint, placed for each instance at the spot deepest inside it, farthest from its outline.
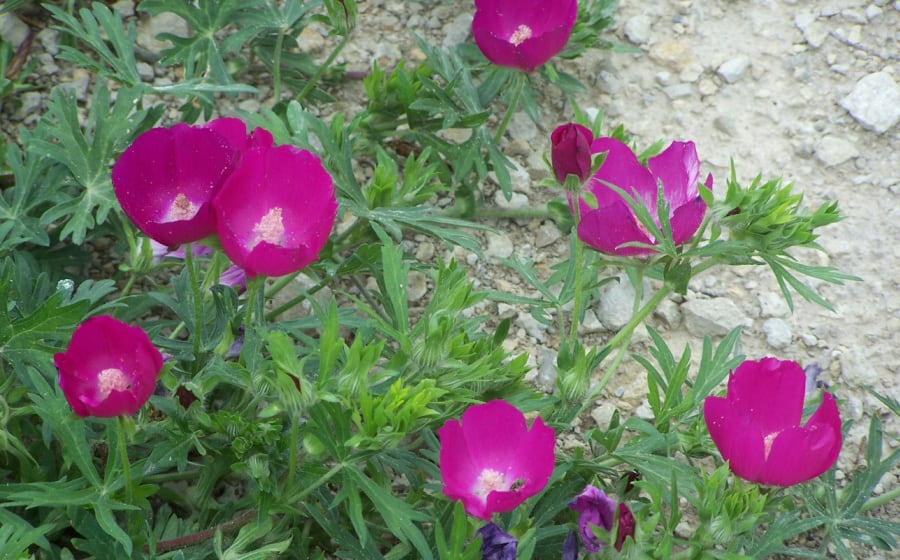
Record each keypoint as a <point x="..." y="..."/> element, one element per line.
<point x="772" y="304"/>
<point x="637" y="29"/>
<point x="874" y="102"/>
<point x="778" y="333"/>
<point x="590" y="323"/>
<point x="416" y="285"/>
<point x="833" y="150"/>
<point x="617" y="302"/>
<point x="457" y="30"/>
<point x="546" y="373"/>
<point x="602" y="414"/>
<point x="518" y="201"/>
<point x="678" y="90"/>
<point x="124" y="7"/>
<point x="165" y="22"/>
<point x="857" y="369"/>
<point x="532" y="326"/>
<point x="12" y="29"/>
<point x="711" y="317"/>
<point x="31" y="103"/>
<point x="873" y="12"/>
<point x="499" y="246"/>
<point x="521" y="127"/>
<point x="733" y="69"/>
<point x="546" y="235"/>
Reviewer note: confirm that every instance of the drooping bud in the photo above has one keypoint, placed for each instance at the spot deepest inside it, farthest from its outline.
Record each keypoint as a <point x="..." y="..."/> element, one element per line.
<point x="571" y="152"/>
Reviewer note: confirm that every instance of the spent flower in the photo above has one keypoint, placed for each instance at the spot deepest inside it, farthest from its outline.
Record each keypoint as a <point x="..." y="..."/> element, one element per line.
<point x="595" y="508"/>
<point x="756" y="426"/>
<point x="491" y="461"/>
<point x="523" y="34"/>
<point x="497" y="544"/>
<point x="611" y="223"/>
<point x="109" y="368"/>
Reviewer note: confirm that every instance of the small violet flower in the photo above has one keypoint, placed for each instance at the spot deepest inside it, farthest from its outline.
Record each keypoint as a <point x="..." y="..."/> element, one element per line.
<point x="491" y="461"/>
<point x="496" y="544"/>
<point x="166" y="179"/>
<point x="570" y="152"/>
<point x="109" y="369"/>
<point x="756" y="426"/>
<point x="523" y="34"/>
<point x="613" y="223"/>
<point x="275" y="211"/>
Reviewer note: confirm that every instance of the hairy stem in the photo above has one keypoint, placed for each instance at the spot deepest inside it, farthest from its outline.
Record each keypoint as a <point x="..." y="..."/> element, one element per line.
<point x="320" y="71"/>
<point x="519" y="86"/>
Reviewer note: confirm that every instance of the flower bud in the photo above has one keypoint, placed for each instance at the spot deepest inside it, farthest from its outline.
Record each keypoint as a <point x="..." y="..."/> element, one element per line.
<point x="571" y="152"/>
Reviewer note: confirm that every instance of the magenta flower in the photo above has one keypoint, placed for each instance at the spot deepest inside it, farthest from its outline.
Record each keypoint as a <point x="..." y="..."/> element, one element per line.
<point x="756" y="426"/>
<point x="612" y="223"/>
<point x="594" y="508"/>
<point x="109" y="368"/>
<point x="570" y="152"/>
<point x="275" y="212"/>
<point x="491" y="461"/>
<point x="166" y="179"/>
<point x="522" y="34"/>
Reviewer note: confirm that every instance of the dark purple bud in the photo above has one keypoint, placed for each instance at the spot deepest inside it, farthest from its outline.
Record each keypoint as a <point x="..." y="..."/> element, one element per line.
<point x="570" y="546"/>
<point x="496" y="544"/>
<point x="571" y="152"/>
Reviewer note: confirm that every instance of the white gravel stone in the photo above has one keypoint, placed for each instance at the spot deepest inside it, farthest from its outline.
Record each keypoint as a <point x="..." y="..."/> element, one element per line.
<point x="546" y="235"/>
<point x="712" y="317"/>
<point x="873" y="12"/>
<point x="457" y="30"/>
<point x="416" y="285"/>
<point x="834" y="150"/>
<point x="874" y="102"/>
<point x="532" y="326"/>
<point x="733" y="69"/>
<point x="602" y="414"/>
<point x="678" y="90"/>
<point x="778" y="333"/>
<point x="518" y="201"/>
<point x="637" y="29"/>
<point x="616" y="302"/>
<point x="857" y="369"/>
<point x="31" y="103"/>
<point x="590" y="323"/>
<point x="499" y="246"/>
<point x="772" y="304"/>
<point x="12" y="30"/>
<point x="124" y="7"/>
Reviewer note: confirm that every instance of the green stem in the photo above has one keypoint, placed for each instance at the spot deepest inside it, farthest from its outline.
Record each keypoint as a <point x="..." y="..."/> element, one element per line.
<point x="519" y="86"/>
<point x="512" y="213"/>
<point x="292" y="459"/>
<point x="172" y="476"/>
<point x="579" y="288"/>
<point x="254" y="288"/>
<point x="276" y="65"/>
<point x="881" y="500"/>
<point x="318" y="482"/>
<point x="281" y="284"/>
<point x="198" y="304"/>
<point x="123" y="457"/>
<point x="321" y="69"/>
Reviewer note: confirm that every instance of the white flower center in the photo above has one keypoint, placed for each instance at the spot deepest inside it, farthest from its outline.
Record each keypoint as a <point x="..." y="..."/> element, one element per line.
<point x="112" y="379"/>
<point x="767" y="442"/>
<point x="488" y="481"/>
<point x="270" y="229"/>
<point x="520" y="34"/>
<point x="182" y="209"/>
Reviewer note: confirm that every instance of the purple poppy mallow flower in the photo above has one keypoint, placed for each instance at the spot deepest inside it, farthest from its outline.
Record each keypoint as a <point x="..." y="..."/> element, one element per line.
<point x="166" y="179"/>
<point x="756" y="426"/>
<point x="570" y="152"/>
<point x="570" y="546"/>
<point x="497" y="544"/>
<point x="610" y="223"/>
<point x="161" y="252"/>
<point x="523" y="34"/>
<point x="109" y="368"/>
<point x="276" y="210"/>
<point x="490" y="459"/>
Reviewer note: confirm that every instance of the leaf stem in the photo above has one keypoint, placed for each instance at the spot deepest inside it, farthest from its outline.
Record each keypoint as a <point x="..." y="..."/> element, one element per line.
<point x="520" y="79"/>
<point x="880" y="500"/>
<point x="206" y="534"/>
<point x="123" y="458"/>
<point x="276" y="65"/>
<point x="321" y="69"/>
<point x="198" y="305"/>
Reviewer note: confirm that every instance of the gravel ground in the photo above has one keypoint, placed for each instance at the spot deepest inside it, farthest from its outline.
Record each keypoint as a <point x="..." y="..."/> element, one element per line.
<point x="803" y="90"/>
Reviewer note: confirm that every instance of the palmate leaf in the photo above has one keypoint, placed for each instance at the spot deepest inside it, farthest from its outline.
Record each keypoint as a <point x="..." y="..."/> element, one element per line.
<point x="85" y="153"/>
<point x="201" y="54"/>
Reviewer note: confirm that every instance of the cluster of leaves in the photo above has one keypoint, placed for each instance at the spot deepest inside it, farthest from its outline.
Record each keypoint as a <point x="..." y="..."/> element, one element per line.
<point x="316" y="438"/>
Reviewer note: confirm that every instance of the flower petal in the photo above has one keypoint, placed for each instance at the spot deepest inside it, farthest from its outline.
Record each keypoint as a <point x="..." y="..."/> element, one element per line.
<point x="771" y="391"/>
<point x="800" y="454"/>
<point x="622" y="169"/>
<point x="736" y="436"/>
<point x="678" y="168"/>
<point x="605" y="229"/>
